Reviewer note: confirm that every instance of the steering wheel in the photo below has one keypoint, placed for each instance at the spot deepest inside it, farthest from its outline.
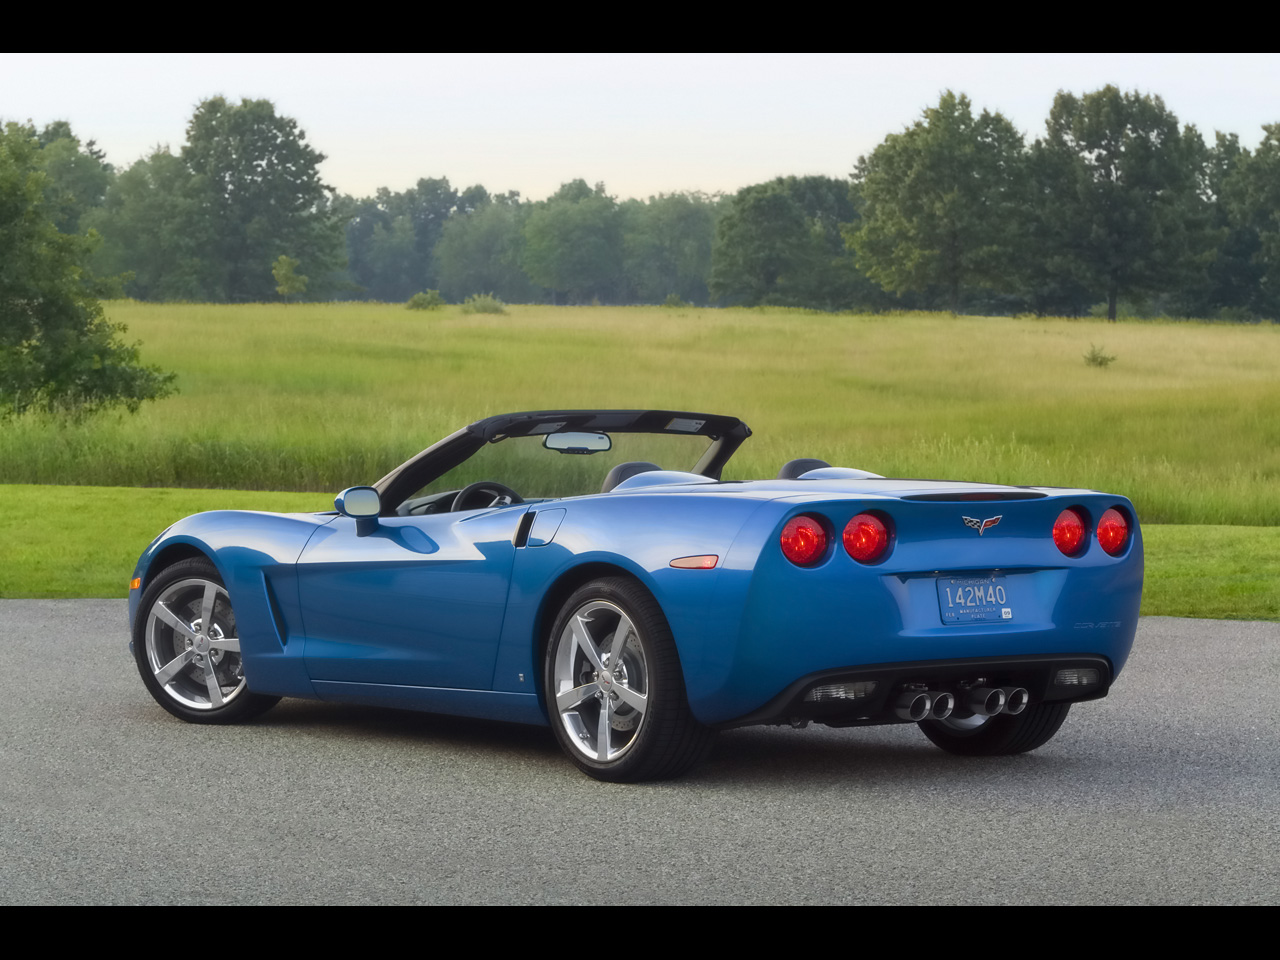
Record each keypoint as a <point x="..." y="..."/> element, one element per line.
<point x="501" y="495"/>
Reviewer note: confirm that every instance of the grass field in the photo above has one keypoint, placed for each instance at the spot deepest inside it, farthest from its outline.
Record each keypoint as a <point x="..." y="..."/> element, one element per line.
<point x="84" y="541"/>
<point x="316" y="397"/>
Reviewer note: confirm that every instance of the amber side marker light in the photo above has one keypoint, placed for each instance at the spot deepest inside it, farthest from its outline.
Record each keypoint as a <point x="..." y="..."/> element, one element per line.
<point x="1113" y="532"/>
<point x="696" y="563"/>
<point x="135" y="583"/>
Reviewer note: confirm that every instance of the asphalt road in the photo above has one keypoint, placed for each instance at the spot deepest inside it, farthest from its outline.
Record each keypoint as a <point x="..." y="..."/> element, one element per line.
<point x="1166" y="792"/>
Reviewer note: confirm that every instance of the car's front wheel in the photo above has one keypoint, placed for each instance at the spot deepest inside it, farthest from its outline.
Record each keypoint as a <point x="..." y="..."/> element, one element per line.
<point x="614" y="688"/>
<point x="187" y="647"/>
<point x="978" y="736"/>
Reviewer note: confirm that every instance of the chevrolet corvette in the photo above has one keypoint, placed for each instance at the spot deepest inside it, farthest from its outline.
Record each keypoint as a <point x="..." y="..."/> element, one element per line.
<point x="546" y="568"/>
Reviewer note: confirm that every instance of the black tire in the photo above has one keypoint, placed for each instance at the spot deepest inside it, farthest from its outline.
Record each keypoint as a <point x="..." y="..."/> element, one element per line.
<point x="641" y="711"/>
<point x="999" y="735"/>
<point x="192" y="669"/>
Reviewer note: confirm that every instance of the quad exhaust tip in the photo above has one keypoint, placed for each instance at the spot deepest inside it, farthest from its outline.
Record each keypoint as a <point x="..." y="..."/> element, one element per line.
<point x="943" y="704"/>
<point x="916" y="705"/>
<point x="985" y="701"/>
<point x="1015" y="699"/>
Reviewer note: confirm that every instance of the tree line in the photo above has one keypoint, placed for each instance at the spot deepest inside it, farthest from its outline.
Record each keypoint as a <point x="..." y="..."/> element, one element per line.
<point x="1115" y="206"/>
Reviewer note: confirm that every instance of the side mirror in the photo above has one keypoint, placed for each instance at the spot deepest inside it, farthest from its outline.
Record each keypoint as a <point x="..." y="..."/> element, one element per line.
<point x="362" y="505"/>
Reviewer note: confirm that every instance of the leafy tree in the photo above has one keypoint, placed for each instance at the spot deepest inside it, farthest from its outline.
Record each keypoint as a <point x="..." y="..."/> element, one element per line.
<point x="1119" y="199"/>
<point x="264" y="196"/>
<point x="757" y="242"/>
<point x="1231" y="280"/>
<point x="781" y="242"/>
<point x="425" y="208"/>
<point x="575" y="191"/>
<point x="941" y="202"/>
<point x="57" y="351"/>
<point x="154" y="226"/>
<point x="573" y="243"/>
<point x="361" y="218"/>
<point x="471" y="199"/>
<point x="77" y="175"/>
<point x="482" y="252"/>
<point x="392" y="237"/>
<point x="666" y="246"/>
<point x="289" y="283"/>
<point x="1046" y="278"/>
<point x="399" y="269"/>
<point x="1252" y="193"/>
<point x="209" y="223"/>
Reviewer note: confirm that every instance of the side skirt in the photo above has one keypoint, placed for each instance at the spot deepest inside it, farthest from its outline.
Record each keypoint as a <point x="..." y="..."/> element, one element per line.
<point x="482" y="704"/>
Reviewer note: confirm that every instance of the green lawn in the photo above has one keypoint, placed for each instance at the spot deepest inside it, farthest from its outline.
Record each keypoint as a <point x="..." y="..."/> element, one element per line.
<point x="83" y="542"/>
<point x="1220" y="573"/>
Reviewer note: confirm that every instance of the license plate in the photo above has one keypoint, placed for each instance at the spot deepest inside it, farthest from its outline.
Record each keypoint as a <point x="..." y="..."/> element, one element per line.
<point x="966" y="599"/>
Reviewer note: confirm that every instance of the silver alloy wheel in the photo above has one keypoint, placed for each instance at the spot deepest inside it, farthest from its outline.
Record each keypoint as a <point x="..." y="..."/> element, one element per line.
<point x="601" y="681"/>
<point x="192" y="647"/>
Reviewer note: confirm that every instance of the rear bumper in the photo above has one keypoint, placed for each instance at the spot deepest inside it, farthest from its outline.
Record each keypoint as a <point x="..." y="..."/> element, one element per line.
<point x="1041" y="675"/>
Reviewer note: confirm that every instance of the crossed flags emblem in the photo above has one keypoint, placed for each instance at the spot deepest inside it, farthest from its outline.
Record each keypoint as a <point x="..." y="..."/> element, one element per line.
<point x="981" y="525"/>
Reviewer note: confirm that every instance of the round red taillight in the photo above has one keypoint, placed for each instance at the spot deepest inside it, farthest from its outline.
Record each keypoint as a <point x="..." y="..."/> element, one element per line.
<point x="1113" y="532"/>
<point x="803" y="540"/>
<point x="866" y="538"/>
<point x="1068" y="531"/>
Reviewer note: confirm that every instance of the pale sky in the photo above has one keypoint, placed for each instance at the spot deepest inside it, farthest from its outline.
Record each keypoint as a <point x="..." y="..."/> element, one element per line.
<point x="642" y="123"/>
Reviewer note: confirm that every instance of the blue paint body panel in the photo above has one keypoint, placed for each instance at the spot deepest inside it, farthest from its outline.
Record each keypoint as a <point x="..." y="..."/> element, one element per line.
<point x="448" y="612"/>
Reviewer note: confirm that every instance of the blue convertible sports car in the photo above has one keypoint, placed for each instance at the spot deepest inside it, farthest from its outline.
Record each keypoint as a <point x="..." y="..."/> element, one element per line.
<point x="638" y="609"/>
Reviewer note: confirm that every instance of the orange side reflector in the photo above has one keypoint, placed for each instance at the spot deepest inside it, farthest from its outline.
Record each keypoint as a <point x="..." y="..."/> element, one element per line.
<point x="696" y="563"/>
<point x="135" y="583"/>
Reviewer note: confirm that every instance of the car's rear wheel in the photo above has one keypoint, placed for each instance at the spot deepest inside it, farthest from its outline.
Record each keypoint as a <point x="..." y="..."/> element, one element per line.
<point x="614" y="688"/>
<point x="187" y="647"/>
<point x="977" y="736"/>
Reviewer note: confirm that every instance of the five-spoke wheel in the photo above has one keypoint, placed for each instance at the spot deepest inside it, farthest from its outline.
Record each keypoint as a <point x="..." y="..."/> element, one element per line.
<point x="188" y="649"/>
<point x="601" y="681"/>
<point x="614" y="688"/>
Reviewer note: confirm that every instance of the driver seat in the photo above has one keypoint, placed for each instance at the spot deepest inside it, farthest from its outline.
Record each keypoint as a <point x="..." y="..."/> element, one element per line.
<point x="625" y="471"/>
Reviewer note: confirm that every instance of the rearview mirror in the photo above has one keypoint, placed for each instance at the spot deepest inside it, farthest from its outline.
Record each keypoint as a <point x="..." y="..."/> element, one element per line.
<point x="578" y="442"/>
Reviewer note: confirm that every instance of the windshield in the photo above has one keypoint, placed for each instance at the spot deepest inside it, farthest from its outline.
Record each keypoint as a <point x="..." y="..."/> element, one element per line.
<point x="536" y="473"/>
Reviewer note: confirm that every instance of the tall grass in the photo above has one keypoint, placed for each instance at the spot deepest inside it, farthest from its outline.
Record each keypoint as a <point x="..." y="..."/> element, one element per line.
<point x="1186" y="421"/>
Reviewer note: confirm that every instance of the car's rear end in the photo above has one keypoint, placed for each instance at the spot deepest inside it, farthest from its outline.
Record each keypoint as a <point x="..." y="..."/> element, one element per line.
<point x="884" y="601"/>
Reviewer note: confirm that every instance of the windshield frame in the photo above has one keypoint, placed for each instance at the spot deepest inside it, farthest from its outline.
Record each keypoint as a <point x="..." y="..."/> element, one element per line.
<point x="725" y="433"/>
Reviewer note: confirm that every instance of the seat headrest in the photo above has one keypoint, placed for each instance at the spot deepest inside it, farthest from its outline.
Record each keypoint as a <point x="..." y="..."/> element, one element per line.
<point x="625" y="471"/>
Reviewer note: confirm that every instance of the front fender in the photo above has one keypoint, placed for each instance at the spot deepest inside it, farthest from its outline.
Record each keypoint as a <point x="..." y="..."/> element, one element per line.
<point x="255" y="555"/>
